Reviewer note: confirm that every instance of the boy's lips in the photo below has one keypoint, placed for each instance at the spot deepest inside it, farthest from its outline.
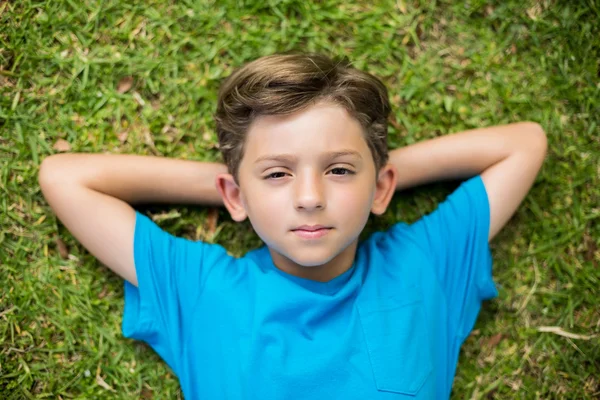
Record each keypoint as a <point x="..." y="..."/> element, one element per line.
<point x="311" y="231"/>
<point x="310" y="227"/>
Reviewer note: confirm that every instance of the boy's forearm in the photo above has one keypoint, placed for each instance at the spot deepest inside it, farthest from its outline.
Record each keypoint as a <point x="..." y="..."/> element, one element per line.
<point x="463" y="154"/>
<point x="139" y="179"/>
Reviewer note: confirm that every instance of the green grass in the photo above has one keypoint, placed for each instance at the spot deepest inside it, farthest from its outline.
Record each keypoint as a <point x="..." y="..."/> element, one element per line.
<point x="449" y="66"/>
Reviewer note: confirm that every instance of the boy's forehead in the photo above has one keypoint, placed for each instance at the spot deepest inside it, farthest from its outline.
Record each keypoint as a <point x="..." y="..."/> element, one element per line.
<point x="319" y="129"/>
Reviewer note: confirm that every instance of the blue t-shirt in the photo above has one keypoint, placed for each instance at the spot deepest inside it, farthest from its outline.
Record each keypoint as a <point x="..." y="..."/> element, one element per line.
<point x="388" y="328"/>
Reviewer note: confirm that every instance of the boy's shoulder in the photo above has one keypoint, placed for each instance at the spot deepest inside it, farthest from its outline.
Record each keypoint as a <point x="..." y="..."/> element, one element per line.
<point x="443" y="241"/>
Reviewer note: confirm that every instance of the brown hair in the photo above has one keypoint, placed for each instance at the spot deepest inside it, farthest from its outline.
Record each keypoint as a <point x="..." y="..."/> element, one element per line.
<point x="281" y="84"/>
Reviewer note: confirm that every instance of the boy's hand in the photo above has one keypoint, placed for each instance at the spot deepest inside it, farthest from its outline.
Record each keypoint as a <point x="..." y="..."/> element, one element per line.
<point x="508" y="158"/>
<point x="90" y="194"/>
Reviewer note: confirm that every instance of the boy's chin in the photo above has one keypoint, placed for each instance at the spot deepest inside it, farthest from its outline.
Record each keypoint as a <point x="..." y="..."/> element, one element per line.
<point x="313" y="261"/>
<point x="303" y="260"/>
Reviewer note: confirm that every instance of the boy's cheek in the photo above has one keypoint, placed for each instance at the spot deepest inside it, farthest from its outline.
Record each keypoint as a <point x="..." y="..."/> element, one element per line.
<point x="263" y="206"/>
<point x="355" y="198"/>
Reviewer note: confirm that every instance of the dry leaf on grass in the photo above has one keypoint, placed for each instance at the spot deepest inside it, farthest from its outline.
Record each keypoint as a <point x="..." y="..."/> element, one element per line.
<point x="125" y="84"/>
<point x="102" y="383"/>
<point x="62" y="249"/>
<point x="146" y="393"/>
<point x="61" y="145"/>
<point x="149" y="141"/>
<point x="557" y="330"/>
<point x="138" y="98"/>
<point x="401" y="6"/>
<point x="211" y="219"/>
<point x="122" y="136"/>
<point x="494" y="340"/>
<point x="103" y="292"/>
<point x="534" y="12"/>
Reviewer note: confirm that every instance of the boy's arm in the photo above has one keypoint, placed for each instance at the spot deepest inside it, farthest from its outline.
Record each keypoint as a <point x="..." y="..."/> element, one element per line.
<point x="508" y="157"/>
<point x="90" y="194"/>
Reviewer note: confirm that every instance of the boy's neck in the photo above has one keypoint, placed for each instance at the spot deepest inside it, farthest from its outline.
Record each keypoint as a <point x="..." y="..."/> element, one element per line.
<point x="322" y="273"/>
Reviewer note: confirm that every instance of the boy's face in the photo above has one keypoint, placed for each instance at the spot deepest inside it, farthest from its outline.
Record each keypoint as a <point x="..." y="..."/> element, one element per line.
<point x="300" y="171"/>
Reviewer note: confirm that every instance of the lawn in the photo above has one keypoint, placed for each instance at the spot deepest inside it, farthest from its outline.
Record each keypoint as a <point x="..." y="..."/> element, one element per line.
<point x="110" y="76"/>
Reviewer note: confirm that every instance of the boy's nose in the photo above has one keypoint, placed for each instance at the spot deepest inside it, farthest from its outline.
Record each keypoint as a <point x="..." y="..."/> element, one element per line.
<point x="309" y="193"/>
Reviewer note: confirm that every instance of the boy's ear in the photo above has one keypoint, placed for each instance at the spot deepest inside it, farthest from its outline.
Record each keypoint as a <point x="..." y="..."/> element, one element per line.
<point x="232" y="196"/>
<point x="384" y="189"/>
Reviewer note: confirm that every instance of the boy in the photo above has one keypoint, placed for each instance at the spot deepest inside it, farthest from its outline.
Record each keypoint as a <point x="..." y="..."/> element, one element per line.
<point x="314" y="314"/>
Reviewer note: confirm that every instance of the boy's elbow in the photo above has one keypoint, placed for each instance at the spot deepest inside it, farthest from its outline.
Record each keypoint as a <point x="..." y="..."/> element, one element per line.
<point x="49" y="173"/>
<point x="537" y="140"/>
<point x="44" y="173"/>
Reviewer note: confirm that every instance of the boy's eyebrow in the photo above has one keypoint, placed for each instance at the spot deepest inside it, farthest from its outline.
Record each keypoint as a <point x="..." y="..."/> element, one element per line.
<point x="290" y="158"/>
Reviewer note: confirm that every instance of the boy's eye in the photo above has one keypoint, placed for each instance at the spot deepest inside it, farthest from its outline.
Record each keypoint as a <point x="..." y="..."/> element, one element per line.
<point x="341" y="171"/>
<point x="275" y="175"/>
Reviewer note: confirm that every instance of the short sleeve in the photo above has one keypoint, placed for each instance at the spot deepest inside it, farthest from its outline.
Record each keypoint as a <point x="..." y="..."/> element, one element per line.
<point x="171" y="273"/>
<point x="455" y="237"/>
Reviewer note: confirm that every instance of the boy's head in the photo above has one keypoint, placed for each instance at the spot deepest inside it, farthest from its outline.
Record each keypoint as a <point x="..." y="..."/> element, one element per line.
<point x="282" y="84"/>
<point x="305" y="141"/>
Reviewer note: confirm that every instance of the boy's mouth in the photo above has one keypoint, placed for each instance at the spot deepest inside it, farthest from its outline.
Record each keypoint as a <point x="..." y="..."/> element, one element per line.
<point x="310" y="228"/>
<point x="311" y="231"/>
